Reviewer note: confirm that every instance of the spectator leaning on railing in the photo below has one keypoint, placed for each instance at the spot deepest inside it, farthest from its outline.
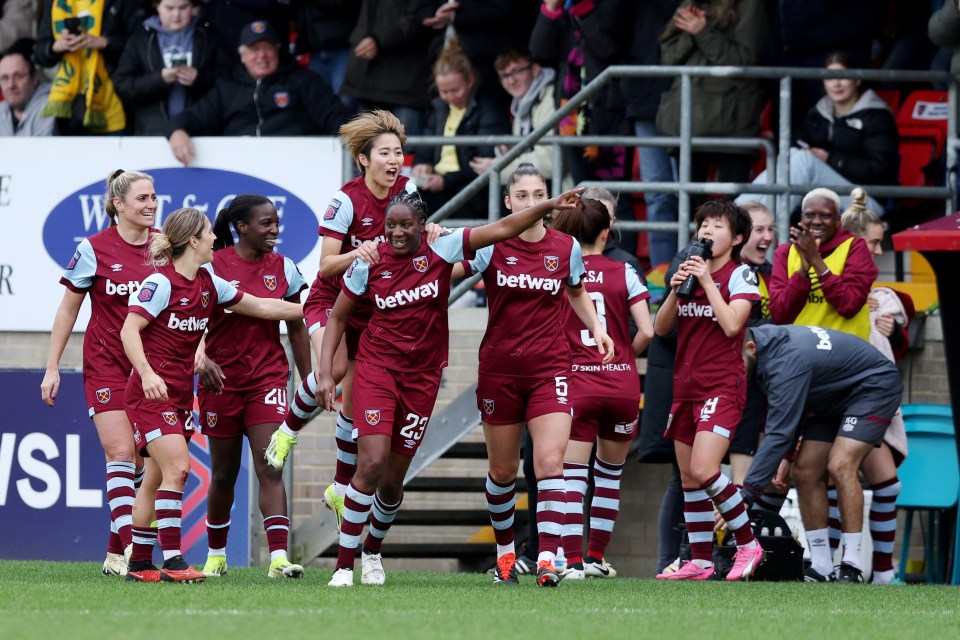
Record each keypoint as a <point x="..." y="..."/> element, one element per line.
<point x="259" y="98"/>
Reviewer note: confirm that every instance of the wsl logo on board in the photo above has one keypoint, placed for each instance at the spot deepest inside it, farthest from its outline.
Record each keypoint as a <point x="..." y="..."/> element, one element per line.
<point x="81" y="214"/>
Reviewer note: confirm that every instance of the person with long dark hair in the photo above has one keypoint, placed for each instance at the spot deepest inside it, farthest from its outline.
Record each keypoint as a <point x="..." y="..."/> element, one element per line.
<point x="243" y="389"/>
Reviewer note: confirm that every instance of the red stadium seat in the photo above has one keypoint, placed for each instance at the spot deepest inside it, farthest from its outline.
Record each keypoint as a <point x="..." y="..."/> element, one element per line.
<point x="922" y="124"/>
<point x="891" y="97"/>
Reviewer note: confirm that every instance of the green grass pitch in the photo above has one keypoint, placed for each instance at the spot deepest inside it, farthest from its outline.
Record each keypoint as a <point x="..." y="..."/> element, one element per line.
<point x="71" y="600"/>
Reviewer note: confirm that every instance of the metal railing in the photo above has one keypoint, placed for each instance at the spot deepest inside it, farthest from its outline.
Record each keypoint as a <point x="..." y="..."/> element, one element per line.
<point x="778" y="162"/>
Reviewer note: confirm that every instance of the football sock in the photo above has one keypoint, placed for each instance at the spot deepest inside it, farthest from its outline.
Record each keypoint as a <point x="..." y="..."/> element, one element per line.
<point x="551" y="507"/>
<point x="169" y="508"/>
<point x="883" y="522"/>
<point x="381" y="517"/>
<point x="217" y="535"/>
<point x="356" y="509"/>
<point x="277" y="528"/>
<point x="575" y="482"/>
<point x="833" y="519"/>
<point x="821" y="559"/>
<point x="120" y="495"/>
<point x="346" y="452"/>
<point x="605" y="506"/>
<point x="698" y="515"/>
<point x="726" y="497"/>
<point x="501" y="501"/>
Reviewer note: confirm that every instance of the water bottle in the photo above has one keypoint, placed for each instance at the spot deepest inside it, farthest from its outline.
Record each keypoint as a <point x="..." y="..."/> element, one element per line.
<point x="777" y="531"/>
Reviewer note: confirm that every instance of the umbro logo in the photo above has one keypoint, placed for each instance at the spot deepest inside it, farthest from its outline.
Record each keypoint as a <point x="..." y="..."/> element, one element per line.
<point x="116" y="267"/>
<point x="512" y="260"/>
<point x="367" y="221"/>
<point x="184" y="302"/>
<point x="234" y="283"/>
<point x="386" y="274"/>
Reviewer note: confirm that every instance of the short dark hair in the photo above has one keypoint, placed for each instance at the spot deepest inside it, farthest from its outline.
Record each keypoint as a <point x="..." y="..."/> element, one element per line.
<point x="22" y="47"/>
<point x="736" y="217"/>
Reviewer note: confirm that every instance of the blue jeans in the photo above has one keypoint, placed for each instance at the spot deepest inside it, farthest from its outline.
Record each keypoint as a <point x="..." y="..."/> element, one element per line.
<point x="331" y="65"/>
<point x="414" y="120"/>
<point x="656" y="166"/>
<point x="805" y="168"/>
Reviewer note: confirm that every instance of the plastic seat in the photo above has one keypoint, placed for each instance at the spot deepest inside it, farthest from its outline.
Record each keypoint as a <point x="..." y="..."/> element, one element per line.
<point x="922" y="125"/>
<point x="930" y="480"/>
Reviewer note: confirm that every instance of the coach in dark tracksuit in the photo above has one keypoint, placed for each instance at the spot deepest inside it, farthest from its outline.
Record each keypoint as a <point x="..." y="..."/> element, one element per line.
<point x="849" y="392"/>
<point x="260" y="98"/>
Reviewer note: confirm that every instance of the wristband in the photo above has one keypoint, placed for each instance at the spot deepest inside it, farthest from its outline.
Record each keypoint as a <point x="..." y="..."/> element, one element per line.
<point x="825" y="272"/>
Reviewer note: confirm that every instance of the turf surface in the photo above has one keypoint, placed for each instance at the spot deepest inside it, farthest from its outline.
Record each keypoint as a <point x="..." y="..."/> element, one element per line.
<point x="71" y="600"/>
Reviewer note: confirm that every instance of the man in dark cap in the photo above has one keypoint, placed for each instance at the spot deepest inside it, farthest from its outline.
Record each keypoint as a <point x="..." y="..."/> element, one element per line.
<point x="261" y="97"/>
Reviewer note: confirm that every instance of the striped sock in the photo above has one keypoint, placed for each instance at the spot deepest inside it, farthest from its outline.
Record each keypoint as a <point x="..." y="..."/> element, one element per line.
<point x="346" y="451"/>
<point x="381" y="517"/>
<point x="169" y="508"/>
<point x="698" y="515"/>
<point x="605" y="506"/>
<point x="277" y="528"/>
<point x="217" y="535"/>
<point x="883" y="522"/>
<point x="551" y="509"/>
<point x="144" y="539"/>
<point x="114" y="545"/>
<point x="834" y="525"/>
<point x="304" y="406"/>
<point x="120" y="495"/>
<point x="356" y="509"/>
<point x="575" y="482"/>
<point x="501" y="503"/>
<point x="138" y="480"/>
<point x="727" y="499"/>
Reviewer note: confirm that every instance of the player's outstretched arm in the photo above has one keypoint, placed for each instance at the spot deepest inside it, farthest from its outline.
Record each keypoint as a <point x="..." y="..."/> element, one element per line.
<point x="268" y="308"/>
<point x="332" y="335"/>
<point x="514" y="224"/>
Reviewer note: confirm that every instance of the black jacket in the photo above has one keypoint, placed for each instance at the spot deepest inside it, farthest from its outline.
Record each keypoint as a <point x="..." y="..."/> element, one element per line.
<point x="863" y="144"/>
<point x="326" y="24"/>
<point x="642" y="95"/>
<point x="483" y="118"/>
<point x="143" y="91"/>
<point x="290" y="102"/>
<point x="121" y="18"/>
<point x="400" y="74"/>
<point x="605" y="34"/>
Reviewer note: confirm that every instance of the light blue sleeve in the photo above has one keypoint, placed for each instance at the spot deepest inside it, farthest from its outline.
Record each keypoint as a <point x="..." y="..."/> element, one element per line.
<point x="356" y="277"/>
<point x="153" y="296"/>
<point x="294" y="277"/>
<point x="482" y="260"/>
<point x="82" y="266"/>
<point x="450" y="246"/>
<point x="226" y="292"/>
<point x="634" y="286"/>
<point x="576" y="265"/>
<point x="209" y="268"/>
<point x="339" y="213"/>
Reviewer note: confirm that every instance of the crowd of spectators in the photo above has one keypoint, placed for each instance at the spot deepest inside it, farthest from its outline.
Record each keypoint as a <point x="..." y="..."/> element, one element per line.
<point x="183" y="68"/>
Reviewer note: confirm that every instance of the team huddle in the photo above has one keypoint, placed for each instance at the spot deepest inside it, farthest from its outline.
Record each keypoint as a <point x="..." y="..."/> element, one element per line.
<point x="557" y="359"/>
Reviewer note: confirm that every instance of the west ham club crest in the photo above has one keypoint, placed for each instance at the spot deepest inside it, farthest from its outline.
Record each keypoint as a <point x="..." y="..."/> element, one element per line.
<point x="551" y="263"/>
<point x="420" y="263"/>
<point x="270" y="282"/>
<point x="372" y="416"/>
<point x="169" y="417"/>
<point x="103" y="395"/>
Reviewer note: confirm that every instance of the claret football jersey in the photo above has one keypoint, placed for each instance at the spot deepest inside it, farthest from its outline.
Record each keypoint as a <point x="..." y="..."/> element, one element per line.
<point x="249" y="349"/>
<point x="179" y="311"/>
<point x="108" y="268"/>
<point x="409" y="327"/>
<point x="525" y="284"/>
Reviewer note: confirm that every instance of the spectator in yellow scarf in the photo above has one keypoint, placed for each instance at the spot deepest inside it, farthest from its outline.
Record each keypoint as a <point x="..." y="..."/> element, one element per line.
<point x="83" y="40"/>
